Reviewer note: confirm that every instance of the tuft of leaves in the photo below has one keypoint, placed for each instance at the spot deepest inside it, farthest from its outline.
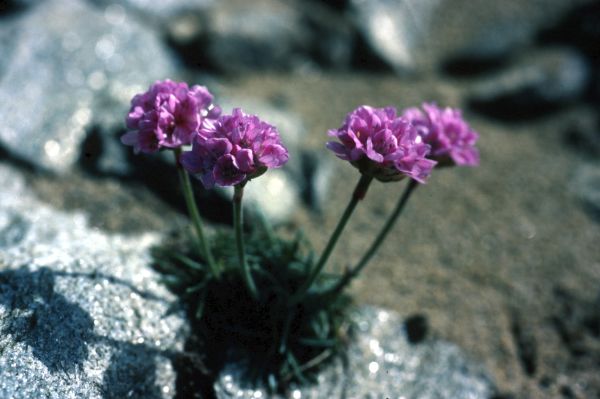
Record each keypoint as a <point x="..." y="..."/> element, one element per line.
<point x="279" y="340"/>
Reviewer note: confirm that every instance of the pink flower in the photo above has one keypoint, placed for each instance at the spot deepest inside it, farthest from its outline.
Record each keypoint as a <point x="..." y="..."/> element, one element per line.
<point x="381" y="144"/>
<point x="168" y="115"/>
<point x="451" y="139"/>
<point x="234" y="149"/>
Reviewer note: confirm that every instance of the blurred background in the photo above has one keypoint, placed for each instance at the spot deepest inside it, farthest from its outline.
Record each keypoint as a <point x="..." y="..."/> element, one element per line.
<point x="502" y="259"/>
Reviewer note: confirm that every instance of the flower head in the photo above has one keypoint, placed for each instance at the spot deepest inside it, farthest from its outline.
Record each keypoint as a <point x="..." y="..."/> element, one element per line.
<point x="168" y="115"/>
<point x="381" y="144"/>
<point x="451" y="139"/>
<point x="234" y="149"/>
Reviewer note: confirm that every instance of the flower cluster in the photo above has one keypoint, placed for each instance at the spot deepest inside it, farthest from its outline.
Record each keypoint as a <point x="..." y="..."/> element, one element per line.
<point x="168" y="115"/>
<point x="227" y="150"/>
<point x="389" y="147"/>
<point x="234" y="149"/>
<point x="381" y="144"/>
<point x="451" y="139"/>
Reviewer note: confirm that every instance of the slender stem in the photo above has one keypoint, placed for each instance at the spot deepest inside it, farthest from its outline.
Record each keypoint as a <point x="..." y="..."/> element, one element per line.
<point x="238" y="221"/>
<point x="352" y="273"/>
<point x="190" y="201"/>
<point x="359" y="193"/>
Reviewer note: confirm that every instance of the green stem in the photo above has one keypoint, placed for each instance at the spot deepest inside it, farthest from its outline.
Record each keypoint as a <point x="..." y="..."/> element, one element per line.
<point x="352" y="273"/>
<point x="238" y="221"/>
<point x="359" y="193"/>
<point x="190" y="201"/>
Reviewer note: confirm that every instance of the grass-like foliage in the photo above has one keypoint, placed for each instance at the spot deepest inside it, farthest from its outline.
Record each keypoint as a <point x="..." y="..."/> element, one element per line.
<point x="280" y="339"/>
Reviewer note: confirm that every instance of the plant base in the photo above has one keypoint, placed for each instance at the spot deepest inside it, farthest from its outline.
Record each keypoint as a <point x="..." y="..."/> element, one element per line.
<point x="280" y="341"/>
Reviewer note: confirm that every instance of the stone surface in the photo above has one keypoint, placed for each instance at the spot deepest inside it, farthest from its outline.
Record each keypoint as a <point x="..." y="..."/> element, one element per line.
<point x="394" y="29"/>
<point x="7" y="47"/>
<point x="265" y="34"/>
<point x="382" y="363"/>
<point x="534" y="85"/>
<point x="318" y="172"/>
<point x="586" y="186"/>
<point x="332" y="34"/>
<point x="81" y="313"/>
<point x="238" y="36"/>
<point x="489" y="31"/>
<point x="72" y="67"/>
<point x="419" y="36"/>
<point x="582" y="133"/>
<point x="12" y="6"/>
<point x="578" y="27"/>
<point x="153" y="11"/>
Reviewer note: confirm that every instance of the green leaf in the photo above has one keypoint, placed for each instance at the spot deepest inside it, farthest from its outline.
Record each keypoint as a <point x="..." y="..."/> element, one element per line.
<point x="285" y="332"/>
<point x="189" y="262"/>
<point x="318" y="343"/>
<point x="197" y="287"/>
<point x="296" y="368"/>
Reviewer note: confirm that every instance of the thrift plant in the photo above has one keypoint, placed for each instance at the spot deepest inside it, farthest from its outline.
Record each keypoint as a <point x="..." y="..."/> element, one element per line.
<point x="451" y="139"/>
<point x="168" y="115"/>
<point x="382" y="145"/>
<point x="234" y="149"/>
<point x="267" y="297"/>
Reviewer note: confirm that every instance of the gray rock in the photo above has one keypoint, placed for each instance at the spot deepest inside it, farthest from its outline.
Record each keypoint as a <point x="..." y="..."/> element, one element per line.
<point x="381" y="363"/>
<point x="19" y="5"/>
<point x="274" y="194"/>
<point x="113" y="157"/>
<point x="480" y="30"/>
<point x="535" y="84"/>
<point x="583" y="134"/>
<point x="318" y="170"/>
<point x="265" y="34"/>
<point x="7" y="47"/>
<point x="82" y="315"/>
<point x="578" y="28"/>
<point x="268" y="34"/>
<point x="419" y="35"/>
<point x="586" y="186"/>
<point x="332" y="34"/>
<point x="151" y="11"/>
<point x="394" y="29"/>
<point x="72" y="67"/>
